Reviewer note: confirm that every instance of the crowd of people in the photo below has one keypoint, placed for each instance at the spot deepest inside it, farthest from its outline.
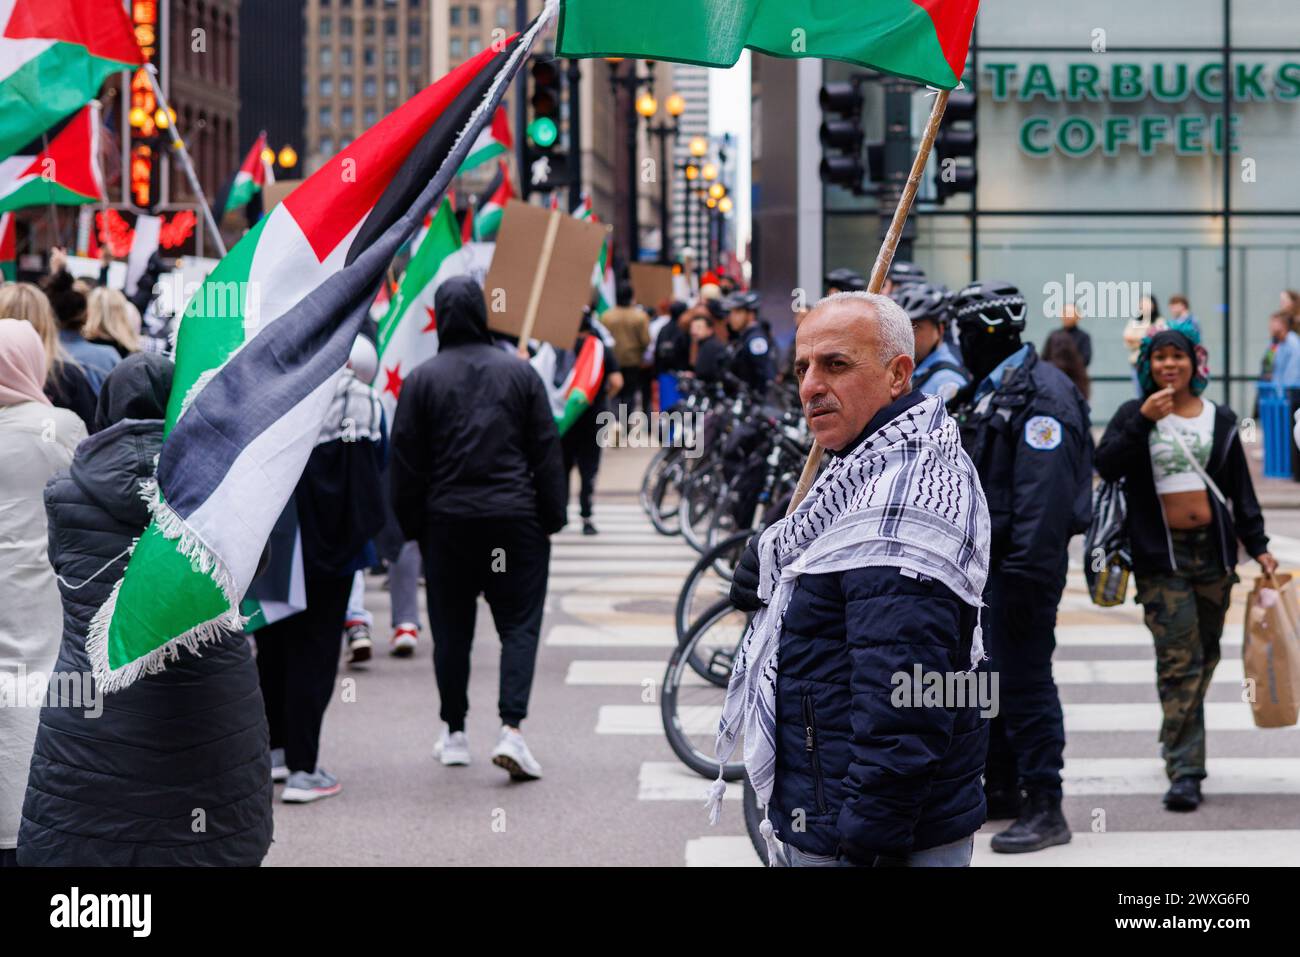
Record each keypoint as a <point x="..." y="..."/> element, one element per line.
<point x="936" y="388"/>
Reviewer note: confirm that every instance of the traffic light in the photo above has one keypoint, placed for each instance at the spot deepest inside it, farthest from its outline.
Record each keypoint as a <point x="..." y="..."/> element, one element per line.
<point x="841" y="135"/>
<point x="955" y="147"/>
<point x="547" y="166"/>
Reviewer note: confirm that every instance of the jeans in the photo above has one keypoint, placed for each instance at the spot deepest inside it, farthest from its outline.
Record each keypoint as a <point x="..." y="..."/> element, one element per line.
<point x="404" y="586"/>
<point x="956" y="854"/>
<point x="357" y="613"/>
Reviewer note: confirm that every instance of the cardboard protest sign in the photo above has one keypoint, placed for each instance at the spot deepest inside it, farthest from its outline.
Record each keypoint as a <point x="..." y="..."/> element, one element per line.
<point x="651" y="284"/>
<point x="544" y="258"/>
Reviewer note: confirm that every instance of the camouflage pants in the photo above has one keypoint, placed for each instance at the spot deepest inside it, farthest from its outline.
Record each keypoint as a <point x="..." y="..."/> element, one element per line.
<point x="1185" y="611"/>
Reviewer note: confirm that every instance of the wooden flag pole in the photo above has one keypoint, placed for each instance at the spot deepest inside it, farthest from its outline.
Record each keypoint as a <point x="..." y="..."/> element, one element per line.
<point x="883" y="260"/>
<point x="539" y="280"/>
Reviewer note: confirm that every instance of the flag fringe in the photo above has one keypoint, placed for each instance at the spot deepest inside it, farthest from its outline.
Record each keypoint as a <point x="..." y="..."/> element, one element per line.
<point x="203" y="561"/>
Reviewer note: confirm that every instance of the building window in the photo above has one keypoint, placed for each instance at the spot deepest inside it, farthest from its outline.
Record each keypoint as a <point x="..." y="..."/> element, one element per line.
<point x="346" y="117"/>
<point x="369" y="28"/>
<point x="503" y="16"/>
<point x="472" y="13"/>
<point x="415" y="83"/>
<point x="390" y="27"/>
<point x="346" y="142"/>
<point x="369" y="3"/>
<point x="390" y="87"/>
<point x="345" y="56"/>
<point x="368" y="58"/>
<point x="327" y="146"/>
<point x="413" y="26"/>
<point x="326" y="58"/>
<point x="368" y="86"/>
<point x="345" y="4"/>
<point x="345" y="86"/>
<point x="326" y="86"/>
<point x="370" y="116"/>
<point x="326" y="117"/>
<point x="413" y="55"/>
<point x="475" y="46"/>
<point x="454" y="46"/>
<point x="345" y="26"/>
<point x="326" y="25"/>
<point x="390" y="59"/>
<point x="455" y="16"/>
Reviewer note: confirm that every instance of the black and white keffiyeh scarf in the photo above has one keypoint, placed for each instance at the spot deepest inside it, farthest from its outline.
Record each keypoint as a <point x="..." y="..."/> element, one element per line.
<point x="908" y="497"/>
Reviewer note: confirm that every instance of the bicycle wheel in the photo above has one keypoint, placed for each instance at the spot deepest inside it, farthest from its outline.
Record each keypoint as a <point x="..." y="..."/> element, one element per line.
<point x="666" y="501"/>
<point x="700" y="501"/>
<point x="707" y="582"/>
<point x="662" y="459"/>
<point x="691" y="706"/>
<point x="754" y="818"/>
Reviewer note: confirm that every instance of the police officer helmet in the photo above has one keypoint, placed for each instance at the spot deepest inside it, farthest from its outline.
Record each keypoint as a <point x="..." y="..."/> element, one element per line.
<point x="747" y="301"/>
<point x="989" y="306"/>
<point x="923" y="300"/>
<point x="845" y="280"/>
<point x="903" y="273"/>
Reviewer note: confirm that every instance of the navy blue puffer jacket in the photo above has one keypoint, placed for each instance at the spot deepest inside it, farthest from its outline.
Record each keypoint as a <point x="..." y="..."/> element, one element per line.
<point x="176" y="771"/>
<point x="856" y="774"/>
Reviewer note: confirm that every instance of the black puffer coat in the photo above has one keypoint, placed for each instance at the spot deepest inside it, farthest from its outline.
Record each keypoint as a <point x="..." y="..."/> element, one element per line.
<point x="176" y="771"/>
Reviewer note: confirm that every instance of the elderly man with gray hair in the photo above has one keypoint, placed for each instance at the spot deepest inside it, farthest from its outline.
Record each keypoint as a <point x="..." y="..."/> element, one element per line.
<point x="847" y="685"/>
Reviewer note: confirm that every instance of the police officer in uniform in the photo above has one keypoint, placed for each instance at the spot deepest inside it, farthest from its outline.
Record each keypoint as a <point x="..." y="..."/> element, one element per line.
<point x="1026" y="428"/>
<point x="752" y="359"/>
<point x="938" y="368"/>
<point x="844" y="280"/>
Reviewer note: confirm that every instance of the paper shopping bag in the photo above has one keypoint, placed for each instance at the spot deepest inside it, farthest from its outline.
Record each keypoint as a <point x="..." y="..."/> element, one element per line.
<point x="1271" y="652"/>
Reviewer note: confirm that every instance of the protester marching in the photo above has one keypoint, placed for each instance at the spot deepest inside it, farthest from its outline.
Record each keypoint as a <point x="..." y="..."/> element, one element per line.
<point x="777" y="537"/>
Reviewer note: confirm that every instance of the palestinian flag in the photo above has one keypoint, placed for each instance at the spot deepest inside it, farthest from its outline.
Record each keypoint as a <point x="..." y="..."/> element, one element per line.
<point x="491" y="206"/>
<point x="8" y="247"/>
<point x="922" y="40"/>
<point x="578" y="391"/>
<point x="408" y="332"/>
<point x="64" y="173"/>
<point x="492" y="142"/>
<point x="602" y="275"/>
<point x="254" y="174"/>
<point x="259" y="351"/>
<point x="54" y="56"/>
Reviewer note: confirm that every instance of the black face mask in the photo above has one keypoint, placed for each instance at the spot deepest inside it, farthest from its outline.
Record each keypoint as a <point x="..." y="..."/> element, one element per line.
<point x="981" y="352"/>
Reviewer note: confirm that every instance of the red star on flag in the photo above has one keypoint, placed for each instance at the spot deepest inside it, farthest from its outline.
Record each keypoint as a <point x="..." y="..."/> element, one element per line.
<point x="393" y="381"/>
<point x="433" y="322"/>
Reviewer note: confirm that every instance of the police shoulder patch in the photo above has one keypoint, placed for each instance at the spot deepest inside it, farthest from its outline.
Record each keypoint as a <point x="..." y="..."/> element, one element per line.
<point x="758" y="346"/>
<point x="1043" y="432"/>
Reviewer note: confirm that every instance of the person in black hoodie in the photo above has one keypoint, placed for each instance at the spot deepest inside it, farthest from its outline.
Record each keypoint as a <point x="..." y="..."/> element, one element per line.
<point x="1183" y="531"/>
<point x="478" y="479"/>
<point x="340" y="509"/>
<point x="121" y="788"/>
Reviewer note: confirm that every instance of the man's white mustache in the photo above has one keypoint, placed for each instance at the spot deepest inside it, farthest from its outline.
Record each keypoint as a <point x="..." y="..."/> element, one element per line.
<point x="821" y="405"/>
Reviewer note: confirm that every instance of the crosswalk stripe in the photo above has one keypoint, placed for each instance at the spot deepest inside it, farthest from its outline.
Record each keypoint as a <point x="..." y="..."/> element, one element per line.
<point x="1137" y="671"/>
<point x="721" y="852"/>
<point x="1235" y="848"/>
<point x="699" y="719"/>
<point x="675" y="568"/>
<point x="623" y="673"/>
<point x="628" y="636"/>
<point x="623" y="586"/>
<point x="1081" y="777"/>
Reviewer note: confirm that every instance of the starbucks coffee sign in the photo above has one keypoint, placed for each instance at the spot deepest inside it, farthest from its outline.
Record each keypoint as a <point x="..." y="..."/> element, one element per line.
<point x="1082" y="129"/>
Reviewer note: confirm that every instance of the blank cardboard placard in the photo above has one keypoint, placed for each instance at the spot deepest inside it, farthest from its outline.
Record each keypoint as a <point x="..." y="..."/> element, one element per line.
<point x="567" y="287"/>
<point x="651" y="284"/>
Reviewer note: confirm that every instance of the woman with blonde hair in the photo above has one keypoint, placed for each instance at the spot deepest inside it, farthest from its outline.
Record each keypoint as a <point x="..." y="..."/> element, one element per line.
<point x="112" y="320"/>
<point x="66" y="383"/>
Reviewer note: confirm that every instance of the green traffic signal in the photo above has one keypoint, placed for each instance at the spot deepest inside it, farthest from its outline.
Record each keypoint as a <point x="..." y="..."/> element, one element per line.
<point x="543" y="132"/>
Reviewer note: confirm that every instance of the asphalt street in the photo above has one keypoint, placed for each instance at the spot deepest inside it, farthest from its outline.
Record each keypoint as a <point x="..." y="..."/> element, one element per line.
<point x="614" y="794"/>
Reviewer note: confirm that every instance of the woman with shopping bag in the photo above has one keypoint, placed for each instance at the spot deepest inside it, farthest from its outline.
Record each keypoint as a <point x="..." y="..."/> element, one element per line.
<point x="1190" y="501"/>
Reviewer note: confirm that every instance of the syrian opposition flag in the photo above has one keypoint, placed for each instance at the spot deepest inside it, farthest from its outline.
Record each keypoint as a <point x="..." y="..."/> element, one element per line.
<point x="8" y="247"/>
<point x="408" y="332"/>
<point x="487" y="216"/>
<point x="54" y="56"/>
<point x="254" y="174"/>
<point x="492" y="142"/>
<point x="64" y="173"/>
<point x="258" y="354"/>
<point x="922" y="40"/>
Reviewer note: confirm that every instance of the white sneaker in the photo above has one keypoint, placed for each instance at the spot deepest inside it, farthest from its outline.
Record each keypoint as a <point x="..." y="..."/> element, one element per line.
<point x="512" y="754"/>
<point x="303" y="788"/>
<point x="452" y="748"/>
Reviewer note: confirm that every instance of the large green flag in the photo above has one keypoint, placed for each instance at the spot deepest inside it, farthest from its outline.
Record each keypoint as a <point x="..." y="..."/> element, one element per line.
<point x="922" y="40"/>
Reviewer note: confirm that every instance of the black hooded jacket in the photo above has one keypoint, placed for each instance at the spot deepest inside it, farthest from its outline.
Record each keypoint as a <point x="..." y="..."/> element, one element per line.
<point x="121" y="789"/>
<point x="473" y="436"/>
